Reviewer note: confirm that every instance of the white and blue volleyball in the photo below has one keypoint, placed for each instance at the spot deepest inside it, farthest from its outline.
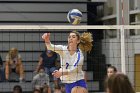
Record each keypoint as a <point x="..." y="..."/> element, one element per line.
<point x="74" y="16"/>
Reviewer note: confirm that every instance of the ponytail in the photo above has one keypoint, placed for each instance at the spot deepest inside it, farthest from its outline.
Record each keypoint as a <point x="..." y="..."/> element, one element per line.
<point x="86" y="42"/>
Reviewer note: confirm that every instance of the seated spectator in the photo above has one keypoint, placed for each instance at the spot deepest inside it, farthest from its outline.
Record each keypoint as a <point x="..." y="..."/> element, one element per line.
<point x="63" y="88"/>
<point x="57" y="89"/>
<point x="46" y="89"/>
<point x="111" y="70"/>
<point x="17" y="89"/>
<point x="36" y="91"/>
<point x="79" y="89"/>
<point x="48" y="59"/>
<point x="41" y="80"/>
<point x="14" y="64"/>
<point x="118" y="83"/>
<point x="85" y="76"/>
<point x="2" y="76"/>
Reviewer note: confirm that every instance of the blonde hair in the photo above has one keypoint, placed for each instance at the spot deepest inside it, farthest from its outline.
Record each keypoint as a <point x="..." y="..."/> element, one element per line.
<point x="13" y="50"/>
<point x="79" y="89"/>
<point x="85" y="41"/>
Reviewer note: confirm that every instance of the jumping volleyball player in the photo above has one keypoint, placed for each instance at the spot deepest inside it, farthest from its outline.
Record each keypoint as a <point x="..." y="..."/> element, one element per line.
<point x="72" y="58"/>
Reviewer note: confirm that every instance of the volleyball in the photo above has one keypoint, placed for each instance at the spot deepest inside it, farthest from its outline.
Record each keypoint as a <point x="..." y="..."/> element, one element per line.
<point x="74" y="16"/>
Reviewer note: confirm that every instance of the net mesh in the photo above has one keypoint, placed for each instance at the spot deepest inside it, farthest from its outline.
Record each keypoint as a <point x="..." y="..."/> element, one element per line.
<point x="110" y="46"/>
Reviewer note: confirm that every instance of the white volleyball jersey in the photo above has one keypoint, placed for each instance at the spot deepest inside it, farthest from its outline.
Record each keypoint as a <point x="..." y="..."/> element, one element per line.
<point x="70" y="63"/>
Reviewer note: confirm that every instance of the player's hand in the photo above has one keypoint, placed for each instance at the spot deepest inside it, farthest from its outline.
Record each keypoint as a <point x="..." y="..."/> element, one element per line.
<point x="57" y="74"/>
<point x="46" y="37"/>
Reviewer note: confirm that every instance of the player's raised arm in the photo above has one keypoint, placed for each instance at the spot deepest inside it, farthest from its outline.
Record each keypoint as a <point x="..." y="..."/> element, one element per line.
<point x="50" y="46"/>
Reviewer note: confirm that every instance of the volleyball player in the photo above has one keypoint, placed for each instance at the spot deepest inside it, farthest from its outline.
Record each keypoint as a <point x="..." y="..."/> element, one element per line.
<point x="72" y="58"/>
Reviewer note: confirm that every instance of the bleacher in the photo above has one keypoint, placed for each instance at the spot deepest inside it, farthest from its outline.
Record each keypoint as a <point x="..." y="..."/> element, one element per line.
<point x="27" y="85"/>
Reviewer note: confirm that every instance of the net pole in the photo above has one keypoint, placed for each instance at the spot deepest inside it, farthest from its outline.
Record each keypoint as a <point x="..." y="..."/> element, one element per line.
<point x="123" y="68"/>
<point x="122" y="31"/>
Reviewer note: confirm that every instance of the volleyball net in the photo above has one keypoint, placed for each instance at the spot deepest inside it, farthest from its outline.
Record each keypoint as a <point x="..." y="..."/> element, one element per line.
<point x="116" y="45"/>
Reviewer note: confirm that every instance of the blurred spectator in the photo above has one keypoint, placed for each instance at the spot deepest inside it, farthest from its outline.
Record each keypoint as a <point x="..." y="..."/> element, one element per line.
<point x="2" y="75"/>
<point x="79" y="89"/>
<point x="118" y="83"/>
<point x="48" y="60"/>
<point x="57" y="89"/>
<point x="46" y="89"/>
<point x="14" y="64"/>
<point x="63" y="88"/>
<point x="17" y="89"/>
<point x="36" y="91"/>
<point x="85" y="76"/>
<point x="41" y="80"/>
<point x="111" y="70"/>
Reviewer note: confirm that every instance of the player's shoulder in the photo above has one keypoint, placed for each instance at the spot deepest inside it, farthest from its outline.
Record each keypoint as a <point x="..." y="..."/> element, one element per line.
<point x="65" y="48"/>
<point x="81" y="52"/>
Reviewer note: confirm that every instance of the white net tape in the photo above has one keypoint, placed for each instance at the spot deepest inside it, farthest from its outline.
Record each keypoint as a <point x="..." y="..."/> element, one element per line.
<point x="70" y="27"/>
